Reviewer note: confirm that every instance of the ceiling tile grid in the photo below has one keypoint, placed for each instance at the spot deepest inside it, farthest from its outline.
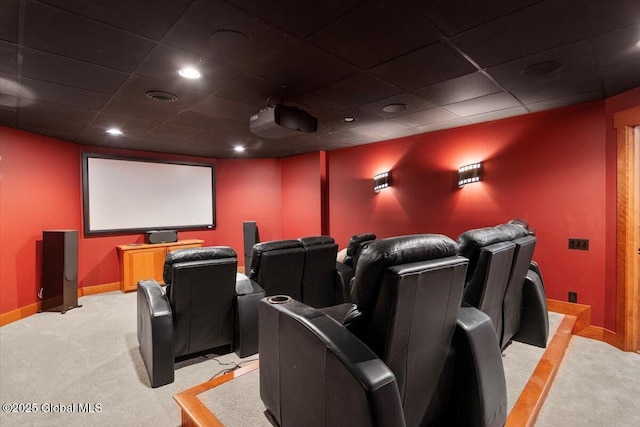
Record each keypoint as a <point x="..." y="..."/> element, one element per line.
<point x="71" y="69"/>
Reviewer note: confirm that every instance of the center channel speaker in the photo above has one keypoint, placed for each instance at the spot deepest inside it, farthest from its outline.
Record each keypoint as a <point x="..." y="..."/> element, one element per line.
<point x="161" y="236"/>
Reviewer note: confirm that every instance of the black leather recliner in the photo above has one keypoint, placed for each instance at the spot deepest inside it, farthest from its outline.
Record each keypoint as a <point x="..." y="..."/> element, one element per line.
<point x="319" y="275"/>
<point x="277" y="266"/>
<point x="408" y="291"/>
<point x="196" y="312"/>
<point x="490" y="255"/>
<point x="512" y="303"/>
<point x="346" y="269"/>
<point x="314" y="372"/>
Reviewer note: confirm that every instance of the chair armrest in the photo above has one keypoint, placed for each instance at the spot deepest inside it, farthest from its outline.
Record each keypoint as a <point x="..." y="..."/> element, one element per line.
<point x="480" y="390"/>
<point x="344" y="274"/>
<point x="155" y="333"/>
<point x="315" y="372"/>
<point x="245" y="335"/>
<point x="534" y="321"/>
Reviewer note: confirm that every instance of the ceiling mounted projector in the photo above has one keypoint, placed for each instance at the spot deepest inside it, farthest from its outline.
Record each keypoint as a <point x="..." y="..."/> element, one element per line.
<point x="282" y="121"/>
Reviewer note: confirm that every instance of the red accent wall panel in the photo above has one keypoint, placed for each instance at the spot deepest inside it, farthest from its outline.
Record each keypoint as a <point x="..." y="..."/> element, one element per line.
<point x="301" y="196"/>
<point x="39" y="190"/>
<point x="248" y="190"/>
<point x="547" y="168"/>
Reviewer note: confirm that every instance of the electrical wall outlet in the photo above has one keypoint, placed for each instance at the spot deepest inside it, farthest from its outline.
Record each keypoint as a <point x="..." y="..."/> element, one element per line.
<point x="573" y="296"/>
<point x="579" y="244"/>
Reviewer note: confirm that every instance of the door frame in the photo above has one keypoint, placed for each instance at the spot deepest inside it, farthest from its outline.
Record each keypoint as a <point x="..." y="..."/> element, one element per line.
<point x="627" y="225"/>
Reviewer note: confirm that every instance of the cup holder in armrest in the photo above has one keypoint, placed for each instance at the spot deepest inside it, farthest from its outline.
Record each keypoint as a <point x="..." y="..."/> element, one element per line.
<point x="279" y="299"/>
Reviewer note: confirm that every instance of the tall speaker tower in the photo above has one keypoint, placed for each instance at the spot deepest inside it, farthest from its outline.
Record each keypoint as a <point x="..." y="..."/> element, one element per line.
<point x="59" y="270"/>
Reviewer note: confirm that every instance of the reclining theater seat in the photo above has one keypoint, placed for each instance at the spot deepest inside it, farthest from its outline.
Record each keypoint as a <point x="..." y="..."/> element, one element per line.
<point x="490" y="255"/>
<point x="319" y="275"/>
<point x="195" y="313"/>
<point x="356" y="243"/>
<point x="315" y="373"/>
<point x="512" y="303"/>
<point x="409" y="290"/>
<point x="277" y="266"/>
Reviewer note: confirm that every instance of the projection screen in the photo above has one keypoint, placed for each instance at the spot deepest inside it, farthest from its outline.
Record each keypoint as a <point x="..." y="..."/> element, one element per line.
<point x="133" y="195"/>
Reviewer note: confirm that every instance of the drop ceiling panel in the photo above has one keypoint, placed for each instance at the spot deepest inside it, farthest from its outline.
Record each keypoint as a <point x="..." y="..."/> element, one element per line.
<point x="304" y="67"/>
<point x="376" y="32"/>
<point x="164" y="62"/>
<point x="431" y="64"/>
<point x="70" y="72"/>
<point x="8" y="57"/>
<point x="411" y="102"/>
<point x="573" y="58"/>
<point x="129" y="125"/>
<point x="252" y="89"/>
<point x="496" y="115"/>
<point x="214" y="106"/>
<point x="542" y="26"/>
<point x="455" y="16"/>
<point x="606" y="15"/>
<point x="148" y="18"/>
<point x="136" y="88"/>
<point x="196" y="120"/>
<point x="423" y="118"/>
<point x="298" y="17"/>
<point x="226" y="33"/>
<point x="572" y="85"/>
<point x="458" y="89"/>
<point x="564" y="101"/>
<point x="48" y="122"/>
<point x="60" y="94"/>
<point x="617" y="46"/>
<point x="362" y="88"/>
<point x="127" y="107"/>
<point x="9" y="20"/>
<point x="59" y="111"/>
<point x="483" y="104"/>
<point x="622" y="76"/>
<point x="380" y="128"/>
<point x="56" y="31"/>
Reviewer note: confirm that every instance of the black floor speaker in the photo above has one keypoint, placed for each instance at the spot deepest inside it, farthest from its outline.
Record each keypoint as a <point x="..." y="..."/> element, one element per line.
<point x="250" y="231"/>
<point x="59" y="270"/>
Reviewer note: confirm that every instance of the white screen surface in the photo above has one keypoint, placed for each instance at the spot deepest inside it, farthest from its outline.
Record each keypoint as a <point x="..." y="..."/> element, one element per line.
<point x="128" y="194"/>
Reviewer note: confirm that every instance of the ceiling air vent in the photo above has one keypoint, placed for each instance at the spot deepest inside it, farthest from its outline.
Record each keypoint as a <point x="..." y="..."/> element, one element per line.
<point x="161" y="96"/>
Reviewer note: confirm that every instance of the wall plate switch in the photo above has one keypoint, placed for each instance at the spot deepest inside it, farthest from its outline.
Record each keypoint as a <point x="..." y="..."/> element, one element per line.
<point x="579" y="244"/>
<point x="573" y="296"/>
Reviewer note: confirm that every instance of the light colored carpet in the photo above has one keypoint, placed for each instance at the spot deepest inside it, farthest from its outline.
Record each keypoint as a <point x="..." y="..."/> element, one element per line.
<point x="596" y="385"/>
<point x="90" y="356"/>
<point x="520" y="360"/>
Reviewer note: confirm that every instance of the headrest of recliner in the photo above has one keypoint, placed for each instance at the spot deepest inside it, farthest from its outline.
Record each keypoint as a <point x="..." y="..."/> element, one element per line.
<point x="472" y="241"/>
<point x="356" y="240"/>
<point x="273" y="245"/>
<point x="317" y="240"/>
<point x="513" y="231"/>
<point x="385" y="253"/>
<point x="194" y="254"/>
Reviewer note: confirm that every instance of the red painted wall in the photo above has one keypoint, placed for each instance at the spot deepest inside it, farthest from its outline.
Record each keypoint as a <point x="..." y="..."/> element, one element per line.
<point x="37" y="192"/>
<point x="40" y="188"/>
<point x="548" y="168"/>
<point x="301" y="196"/>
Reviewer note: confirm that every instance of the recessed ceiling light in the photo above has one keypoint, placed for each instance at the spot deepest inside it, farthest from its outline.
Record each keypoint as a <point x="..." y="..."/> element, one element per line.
<point x="394" y="108"/>
<point x="189" y="73"/>
<point x="349" y="119"/>
<point x="114" y="131"/>
<point x="238" y="148"/>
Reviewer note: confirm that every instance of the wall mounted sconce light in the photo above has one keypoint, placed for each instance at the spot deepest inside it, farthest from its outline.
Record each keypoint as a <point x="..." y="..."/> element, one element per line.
<point x="381" y="180"/>
<point x="469" y="173"/>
